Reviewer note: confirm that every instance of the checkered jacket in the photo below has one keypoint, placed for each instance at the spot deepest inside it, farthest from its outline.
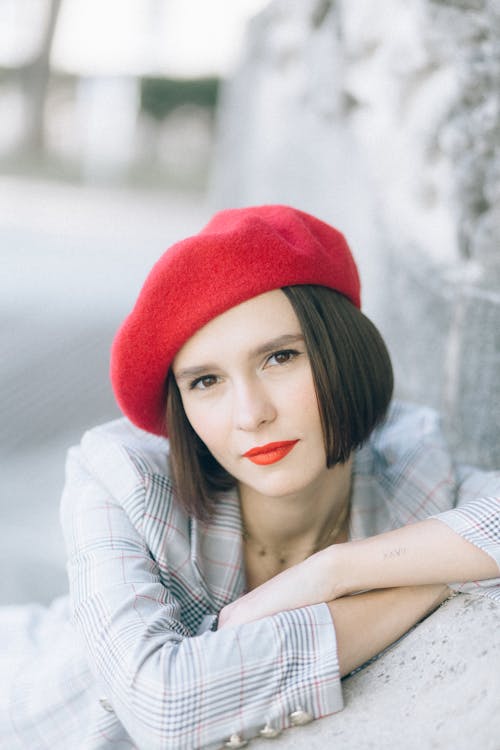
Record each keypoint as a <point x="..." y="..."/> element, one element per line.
<point x="129" y="659"/>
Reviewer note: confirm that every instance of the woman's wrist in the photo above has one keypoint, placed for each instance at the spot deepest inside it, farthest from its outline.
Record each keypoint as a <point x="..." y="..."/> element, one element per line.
<point x="339" y="578"/>
<point x="374" y="563"/>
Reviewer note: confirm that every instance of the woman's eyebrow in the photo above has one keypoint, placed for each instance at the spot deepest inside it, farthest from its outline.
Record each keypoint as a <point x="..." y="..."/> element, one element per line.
<point x="268" y="346"/>
<point x="278" y="343"/>
<point x="187" y="373"/>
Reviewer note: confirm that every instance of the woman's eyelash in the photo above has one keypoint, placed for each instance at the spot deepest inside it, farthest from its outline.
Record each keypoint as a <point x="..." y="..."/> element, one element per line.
<point x="197" y="381"/>
<point x="288" y="353"/>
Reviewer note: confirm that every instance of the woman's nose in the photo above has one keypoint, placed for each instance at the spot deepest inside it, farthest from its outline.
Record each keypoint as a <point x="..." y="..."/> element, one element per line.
<point x="252" y="406"/>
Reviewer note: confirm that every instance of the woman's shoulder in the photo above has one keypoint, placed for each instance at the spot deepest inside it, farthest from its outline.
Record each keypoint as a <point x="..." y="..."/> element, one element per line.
<point x="124" y="437"/>
<point x="408" y="428"/>
<point x="120" y="456"/>
<point x="407" y="465"/>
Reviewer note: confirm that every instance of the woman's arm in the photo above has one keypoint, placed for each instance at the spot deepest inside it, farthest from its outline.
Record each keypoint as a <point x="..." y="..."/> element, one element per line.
<point x="367" y="623"/>
<point x="427" y="552"/>
<point x="421" y="553"/>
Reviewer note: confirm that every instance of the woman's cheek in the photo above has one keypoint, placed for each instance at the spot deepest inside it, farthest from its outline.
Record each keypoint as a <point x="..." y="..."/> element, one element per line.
<point x="205" y="419"/>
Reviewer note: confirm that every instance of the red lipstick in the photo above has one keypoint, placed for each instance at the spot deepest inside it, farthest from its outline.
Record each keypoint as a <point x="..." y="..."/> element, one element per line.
<point x="270" y="453"/>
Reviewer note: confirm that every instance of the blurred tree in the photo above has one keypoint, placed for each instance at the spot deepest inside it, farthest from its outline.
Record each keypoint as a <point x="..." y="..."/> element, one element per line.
<point x="35" y="76"/>
<point x="160" y="95"/>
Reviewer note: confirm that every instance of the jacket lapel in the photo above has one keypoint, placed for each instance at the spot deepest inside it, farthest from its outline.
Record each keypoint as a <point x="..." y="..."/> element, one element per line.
<point x="217" y="552"/>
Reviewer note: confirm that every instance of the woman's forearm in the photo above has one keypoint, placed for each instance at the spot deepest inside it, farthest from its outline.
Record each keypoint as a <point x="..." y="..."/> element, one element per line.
<point x="420" y="553"/>
<point x="428" y="552"/>
<point x="367" y="623"/>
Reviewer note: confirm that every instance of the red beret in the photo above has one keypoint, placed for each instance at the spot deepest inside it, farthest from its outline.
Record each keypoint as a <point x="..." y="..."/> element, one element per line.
<point x="241" y="253"/>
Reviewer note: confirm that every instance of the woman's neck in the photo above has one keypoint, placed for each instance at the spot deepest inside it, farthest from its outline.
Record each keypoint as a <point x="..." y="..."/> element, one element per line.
<point x="281" y="531"/>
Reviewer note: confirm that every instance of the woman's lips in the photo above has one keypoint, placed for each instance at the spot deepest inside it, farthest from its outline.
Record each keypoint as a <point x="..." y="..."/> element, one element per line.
<point x="270" y="453"/>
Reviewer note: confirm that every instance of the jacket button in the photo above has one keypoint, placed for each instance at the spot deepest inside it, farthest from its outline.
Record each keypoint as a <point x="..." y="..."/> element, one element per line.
<point x="300" y="717"/>
<point x="235" y="741"/>
<point x="269" y="732"/>
<point x="106" y="705"/>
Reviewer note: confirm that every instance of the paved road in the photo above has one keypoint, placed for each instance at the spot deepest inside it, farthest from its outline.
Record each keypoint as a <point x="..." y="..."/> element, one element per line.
<point x="71" y="262"/>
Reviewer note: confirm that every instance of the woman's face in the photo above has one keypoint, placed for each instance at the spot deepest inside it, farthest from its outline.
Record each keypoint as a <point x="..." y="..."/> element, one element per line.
<point x="246" y="385"/>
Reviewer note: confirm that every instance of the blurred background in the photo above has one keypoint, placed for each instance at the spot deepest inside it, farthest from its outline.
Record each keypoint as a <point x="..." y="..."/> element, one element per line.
<point x="125" y="124"/>
<point x="107" y="129"/>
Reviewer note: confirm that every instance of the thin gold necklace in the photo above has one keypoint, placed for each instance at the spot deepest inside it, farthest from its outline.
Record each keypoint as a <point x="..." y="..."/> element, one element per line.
<point x="321" y="544"/>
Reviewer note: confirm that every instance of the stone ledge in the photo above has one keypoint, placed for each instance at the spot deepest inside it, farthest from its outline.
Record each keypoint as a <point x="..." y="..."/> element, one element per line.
<point x="436" y="688"/>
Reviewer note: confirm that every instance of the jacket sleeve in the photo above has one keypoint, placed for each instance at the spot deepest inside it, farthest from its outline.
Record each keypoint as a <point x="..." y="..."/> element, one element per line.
<point x="168" y="687"/>
<point x="421" y="480"/>
<point x="476" y="517"/>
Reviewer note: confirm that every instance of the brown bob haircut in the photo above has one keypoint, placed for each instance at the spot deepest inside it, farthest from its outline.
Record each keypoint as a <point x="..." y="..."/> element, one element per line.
<point x="352" y="375"/>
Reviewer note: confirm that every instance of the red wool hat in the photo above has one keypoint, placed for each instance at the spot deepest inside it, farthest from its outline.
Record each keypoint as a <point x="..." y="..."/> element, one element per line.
<point x="240" y="254"/>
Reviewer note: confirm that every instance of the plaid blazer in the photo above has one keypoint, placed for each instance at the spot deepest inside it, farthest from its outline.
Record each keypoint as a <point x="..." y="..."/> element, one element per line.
<point x="129" y="659"/>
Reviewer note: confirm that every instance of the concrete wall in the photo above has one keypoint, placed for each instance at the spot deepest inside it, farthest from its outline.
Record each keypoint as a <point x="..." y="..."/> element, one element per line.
<point x="383" y="118"/>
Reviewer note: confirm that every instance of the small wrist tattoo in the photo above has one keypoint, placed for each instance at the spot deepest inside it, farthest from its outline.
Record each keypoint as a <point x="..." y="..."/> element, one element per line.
<point x="396" y="552"/>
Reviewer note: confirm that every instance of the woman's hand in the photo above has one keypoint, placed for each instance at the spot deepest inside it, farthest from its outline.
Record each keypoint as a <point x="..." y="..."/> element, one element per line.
<point x="310" y="582"/>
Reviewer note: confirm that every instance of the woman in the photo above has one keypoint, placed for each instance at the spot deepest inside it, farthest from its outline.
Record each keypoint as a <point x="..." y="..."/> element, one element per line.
<point x="211" y="575"/>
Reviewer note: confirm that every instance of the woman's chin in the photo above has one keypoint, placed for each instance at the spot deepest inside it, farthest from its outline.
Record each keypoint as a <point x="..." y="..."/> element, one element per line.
<point x="275" y="487"/>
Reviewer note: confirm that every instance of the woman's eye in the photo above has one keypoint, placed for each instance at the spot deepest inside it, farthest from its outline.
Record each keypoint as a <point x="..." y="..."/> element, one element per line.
<point x="203" y="383"/>
<point x="282" y="357"/>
